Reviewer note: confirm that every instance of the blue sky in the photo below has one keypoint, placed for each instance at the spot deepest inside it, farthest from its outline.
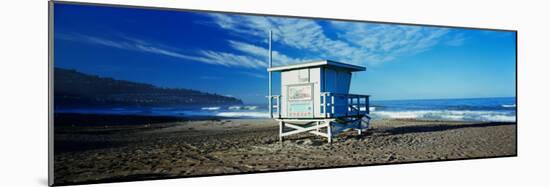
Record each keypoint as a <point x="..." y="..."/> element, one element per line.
<point x="227" y="53"/>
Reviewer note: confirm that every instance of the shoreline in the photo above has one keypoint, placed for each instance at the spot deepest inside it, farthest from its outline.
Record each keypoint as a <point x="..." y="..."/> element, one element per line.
<point x="90" y="120"/>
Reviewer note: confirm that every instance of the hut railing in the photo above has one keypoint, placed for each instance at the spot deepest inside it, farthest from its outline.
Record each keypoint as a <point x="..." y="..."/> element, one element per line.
<point x="275" y="108"/>
<point x="331" y="105"/>
<point x="342" y="105"/>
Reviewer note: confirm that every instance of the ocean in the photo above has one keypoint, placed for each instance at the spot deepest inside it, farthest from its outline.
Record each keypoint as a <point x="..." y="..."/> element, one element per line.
<point x="476" y="109"/>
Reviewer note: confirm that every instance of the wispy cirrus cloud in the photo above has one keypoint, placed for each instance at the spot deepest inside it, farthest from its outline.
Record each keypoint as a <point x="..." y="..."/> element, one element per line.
<point x="301" y="34"/>
<point x="353" y="42"/>
<point x="457" y="40"/>
<point x="383" y="42"/>
<point x="263" y="53"/>
<point x="133" y="44"/>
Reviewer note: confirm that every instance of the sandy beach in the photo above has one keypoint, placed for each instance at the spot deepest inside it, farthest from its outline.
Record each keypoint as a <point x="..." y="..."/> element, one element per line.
<point x="151" y="148"/>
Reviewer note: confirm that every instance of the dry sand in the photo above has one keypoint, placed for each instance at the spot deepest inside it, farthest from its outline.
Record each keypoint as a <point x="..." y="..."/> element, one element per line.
<point x="209" y="147"/>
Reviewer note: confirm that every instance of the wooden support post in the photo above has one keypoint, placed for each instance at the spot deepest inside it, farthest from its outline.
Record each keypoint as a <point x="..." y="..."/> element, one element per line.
<point x="281" y="131"/>
<point x="329" y="131"/>
<point x="359" y="125"/>
<point x="318" y="129"/>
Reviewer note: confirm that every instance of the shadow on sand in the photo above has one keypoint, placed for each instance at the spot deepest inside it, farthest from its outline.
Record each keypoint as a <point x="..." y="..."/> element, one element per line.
<point x="133" y="177"/>
<point x="439" y="127"/>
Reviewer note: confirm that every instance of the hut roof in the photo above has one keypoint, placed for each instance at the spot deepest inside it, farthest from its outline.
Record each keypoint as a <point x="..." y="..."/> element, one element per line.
<point x="318" y="63"/>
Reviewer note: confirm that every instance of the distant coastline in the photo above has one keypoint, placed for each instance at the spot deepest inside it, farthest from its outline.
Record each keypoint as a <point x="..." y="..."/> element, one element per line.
<point x="74" y="89"/>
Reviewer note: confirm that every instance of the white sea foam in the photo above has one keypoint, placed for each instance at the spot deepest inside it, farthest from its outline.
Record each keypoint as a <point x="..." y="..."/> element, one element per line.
<point x="234" y="107"/>
<point x="211" y="108"/>
<point x="244" y="114"/>
<point x="503" y="118"/>
<point x="370" y="108"/>
<point x="250" y="107"/>
<point x="455" y="115"/>
<point x="509" y="106"/>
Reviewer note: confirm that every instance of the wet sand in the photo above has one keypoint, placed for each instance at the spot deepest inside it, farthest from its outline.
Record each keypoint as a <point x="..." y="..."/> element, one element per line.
<point x="175" y="147"/>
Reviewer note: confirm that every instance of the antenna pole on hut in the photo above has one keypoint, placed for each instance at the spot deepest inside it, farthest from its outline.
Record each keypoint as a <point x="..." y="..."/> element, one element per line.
<point x="270" y="77"/>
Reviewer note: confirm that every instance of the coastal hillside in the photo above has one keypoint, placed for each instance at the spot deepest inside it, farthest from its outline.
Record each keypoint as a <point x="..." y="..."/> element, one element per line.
<point x="76" y="89"/>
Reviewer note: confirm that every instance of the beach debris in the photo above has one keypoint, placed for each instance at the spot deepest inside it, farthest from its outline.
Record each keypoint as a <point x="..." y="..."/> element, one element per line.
<point x="391" y="157"/>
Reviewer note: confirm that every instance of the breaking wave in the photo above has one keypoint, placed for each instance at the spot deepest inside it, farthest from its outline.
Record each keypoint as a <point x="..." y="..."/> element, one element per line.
<point x="244" y="114"/>
<point x="509" y="106"/>
<point x="455" y="115"/>
<point x="211" y="108"/>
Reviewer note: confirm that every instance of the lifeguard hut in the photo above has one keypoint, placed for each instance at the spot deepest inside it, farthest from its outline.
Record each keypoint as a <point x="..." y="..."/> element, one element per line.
<point x="315" y="99"/>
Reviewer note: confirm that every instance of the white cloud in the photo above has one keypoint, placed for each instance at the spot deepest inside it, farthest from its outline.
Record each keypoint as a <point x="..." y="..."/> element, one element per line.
<point x="457" y="40"/>
<point x="350" y="42"/>
<point x="300" y="34"/>
<point x="262" y="53"/>
<point x="249" y="48"/>
<point x="205" y="56"/>
<point x="385" y="42"/>
<point x="358" y="43"/>
<point x="229" y="59"/>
